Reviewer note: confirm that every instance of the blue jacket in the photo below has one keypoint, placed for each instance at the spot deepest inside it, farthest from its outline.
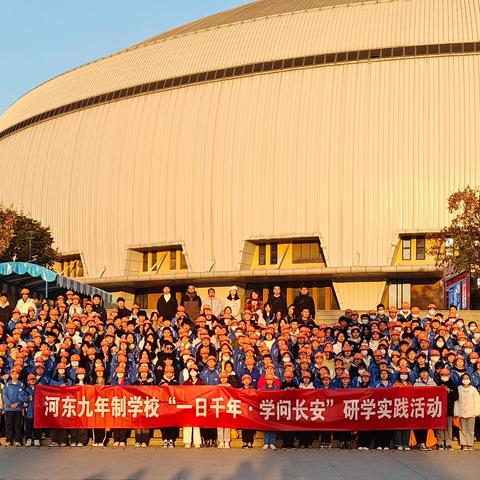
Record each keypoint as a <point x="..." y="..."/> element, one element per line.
<point x="210" y="377"/>
<point x="14" y="393"/>
<point x="30" y="392"/>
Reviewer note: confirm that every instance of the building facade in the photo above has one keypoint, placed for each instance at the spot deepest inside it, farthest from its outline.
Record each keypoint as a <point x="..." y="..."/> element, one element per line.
<point x="282" y="142"/>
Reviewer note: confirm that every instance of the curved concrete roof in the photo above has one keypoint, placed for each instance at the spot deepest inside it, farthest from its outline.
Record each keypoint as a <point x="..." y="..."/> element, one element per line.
<point x="251" y="11"/>
<point x="256" y="38"/>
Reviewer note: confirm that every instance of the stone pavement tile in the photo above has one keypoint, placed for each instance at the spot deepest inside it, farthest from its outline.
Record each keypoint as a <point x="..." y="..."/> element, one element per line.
<point x="180" y="464"/>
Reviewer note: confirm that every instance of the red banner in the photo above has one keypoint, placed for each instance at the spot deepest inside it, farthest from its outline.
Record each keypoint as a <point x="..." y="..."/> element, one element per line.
<point x="211" y="407"/>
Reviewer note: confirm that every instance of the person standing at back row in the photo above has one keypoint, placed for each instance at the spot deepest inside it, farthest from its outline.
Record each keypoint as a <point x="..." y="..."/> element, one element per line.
<point x="192" y="303"/>
<point x="167" y="304"/>
<point x="277" y="301"/>
<point x="304" y="300"/>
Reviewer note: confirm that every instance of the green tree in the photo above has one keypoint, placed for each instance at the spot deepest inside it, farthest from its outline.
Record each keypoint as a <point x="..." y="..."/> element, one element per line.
<point x="7" y="224"/>
<point x="457" y="246"/>
<point x="25" y="240"/>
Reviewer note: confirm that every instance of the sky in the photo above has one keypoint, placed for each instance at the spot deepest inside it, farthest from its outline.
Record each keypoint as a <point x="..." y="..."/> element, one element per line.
<point x="43" y="38"/>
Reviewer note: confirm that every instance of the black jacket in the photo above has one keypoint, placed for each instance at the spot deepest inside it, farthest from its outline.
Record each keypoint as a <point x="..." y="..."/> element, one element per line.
<point x="101" y="311"/>
<point x="6" y="313"/>
<point x="167" y="309"/>
<point x="452" y="395"/>
<point x="304" y="301"/>
<point x="277" y="304"/>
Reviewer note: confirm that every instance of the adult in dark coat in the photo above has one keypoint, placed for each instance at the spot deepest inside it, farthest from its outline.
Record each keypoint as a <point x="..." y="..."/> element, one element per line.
<point x="99" y="308"/>
<point x="5" y="309"/>
<point x="192" y="303"/>
<point x="167" y="304"/>
<point x="277" y="301"/>
<point x="444" y="437"/>
<point x="304" y="300"/>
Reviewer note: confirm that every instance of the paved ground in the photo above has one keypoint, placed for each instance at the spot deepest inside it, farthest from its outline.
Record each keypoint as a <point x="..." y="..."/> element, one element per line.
<point x="179" y="464"/>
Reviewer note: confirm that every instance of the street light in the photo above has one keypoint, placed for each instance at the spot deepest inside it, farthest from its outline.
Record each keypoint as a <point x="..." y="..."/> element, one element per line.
<point x="30" y="238"/>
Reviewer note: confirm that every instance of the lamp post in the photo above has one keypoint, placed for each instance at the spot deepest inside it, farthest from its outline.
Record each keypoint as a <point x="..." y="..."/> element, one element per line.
<point x="30" y="238"/>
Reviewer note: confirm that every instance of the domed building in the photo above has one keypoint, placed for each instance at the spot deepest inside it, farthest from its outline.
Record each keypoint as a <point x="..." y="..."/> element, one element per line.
<point x="281" y="142"/>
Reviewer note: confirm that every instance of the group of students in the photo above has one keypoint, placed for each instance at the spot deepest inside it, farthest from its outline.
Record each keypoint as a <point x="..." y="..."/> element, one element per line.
<point x="249" y="344"/>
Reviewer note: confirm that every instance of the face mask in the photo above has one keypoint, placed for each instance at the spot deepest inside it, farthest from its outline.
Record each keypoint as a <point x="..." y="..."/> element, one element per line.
<point x="466" y="381"/>
<point x="61" y="371"/>
<point x="74" y="364"/>
<point x="364" y="353"/>
<point x="286" y="359"/>
<point x="225" y="358"/>
<point x="403" y="377"/>
<point x="468" y="350"/>
<point x="381" y="313"/>
<point x="461" y="343"/>
<point x="81" y="376"/>
<point x="435" y="359"/>
<point x="365" y="321"/>
<point x="193" y="374"/>
<point x="474" y="361"/>
<point x="444" y="379"/>
<point x="431" y="312"/>
<point x="460" y="324"/>
<point x="440" y="344"/>
<point x="120" y="375"/>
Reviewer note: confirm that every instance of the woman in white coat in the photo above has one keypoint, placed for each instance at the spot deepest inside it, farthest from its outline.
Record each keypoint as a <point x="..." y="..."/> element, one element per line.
<point x="467" y="407"/>
<point x="233" y="301"/>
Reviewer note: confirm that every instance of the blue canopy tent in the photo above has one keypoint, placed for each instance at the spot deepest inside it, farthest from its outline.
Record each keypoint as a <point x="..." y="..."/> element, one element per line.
<point x="40" y="279"/>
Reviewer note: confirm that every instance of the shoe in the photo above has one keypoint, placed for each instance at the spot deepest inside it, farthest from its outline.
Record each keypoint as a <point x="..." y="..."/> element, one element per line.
<point x="121" y="444"/>
<point x="28" y="443"/>
<point x="73" y="445"/>
<point x="171" y="444"/>
<point x="226" y="445"/>
<point x="80" y="444"/>
<point x="449" y="447"/>
<point x="52" y="444"/>
<point x="187" y="445"/>
<point x="18" y="444"/>
<point x="165" y="444"/>
<point x="137" y="445"/>
<point x="407" y="449"/>
<point x="385" y="449"/>
<point x="440" y="447"/>
<point x="220" y="445"/>
<point x="265" y="447"/>
<point x="379" y="449"/>
<point x="116" y="444"/>
<point x="399" y="448"/>
<point x="197" y="446"/>
<point x="144" y="445"/>
<point x="250" y="446"/>
<point x="360" y="448"/>
<point x="244" y="446"/>
<point x="328" y="445"/>
<point x="36" y="443"/>
<point x="273" y="447"/>
<point x="63" y="445"/>
<point x="423" y="447"/>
